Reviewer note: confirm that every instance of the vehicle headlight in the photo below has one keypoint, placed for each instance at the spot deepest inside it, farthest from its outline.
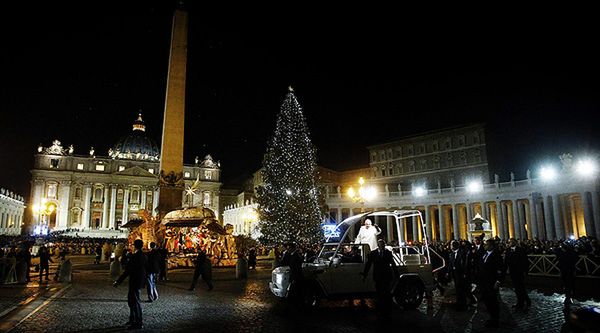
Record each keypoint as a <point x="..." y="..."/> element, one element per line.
<point x="279" y="279"/>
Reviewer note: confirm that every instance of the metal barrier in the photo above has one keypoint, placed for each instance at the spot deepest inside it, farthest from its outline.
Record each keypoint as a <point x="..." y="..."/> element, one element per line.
<point x="547" y="265"/>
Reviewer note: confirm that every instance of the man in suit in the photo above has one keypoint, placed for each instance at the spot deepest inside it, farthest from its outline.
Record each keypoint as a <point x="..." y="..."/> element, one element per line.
<point x="153" y="270"/>
<point x="458" y="269"/>
<point x="44" y="262"/>
<point x="489" y="277"/>
<point x="136" y="271"/>
<point x="517" y="264"/>
<point x="384" y="272"/>
<point x="293" y="258"/>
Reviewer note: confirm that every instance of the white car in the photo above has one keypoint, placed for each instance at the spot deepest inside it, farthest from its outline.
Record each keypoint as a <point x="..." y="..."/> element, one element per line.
<point x="336" y="272"/>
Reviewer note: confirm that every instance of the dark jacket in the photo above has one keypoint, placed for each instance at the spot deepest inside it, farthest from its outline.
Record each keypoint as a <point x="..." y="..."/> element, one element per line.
<point x="294" y="260"/>
<point x="384" y="267"/>
<point x="203" y="266"/>
<point x="516" y="261"/>
<point x="135" y="270"/>
<point x="45" y="259"/>
<point x="567" y="261"/>
<point x="490" y="270"/>
<point x="458" y="266"/>
<point x="154" y="261"/>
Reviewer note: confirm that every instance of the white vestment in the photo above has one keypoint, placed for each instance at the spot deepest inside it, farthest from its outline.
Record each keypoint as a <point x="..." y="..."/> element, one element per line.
<point x="368" y="236"/>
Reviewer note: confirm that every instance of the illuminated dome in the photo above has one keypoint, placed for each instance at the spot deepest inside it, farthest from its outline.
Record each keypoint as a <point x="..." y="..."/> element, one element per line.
<point x="136" y="145"/>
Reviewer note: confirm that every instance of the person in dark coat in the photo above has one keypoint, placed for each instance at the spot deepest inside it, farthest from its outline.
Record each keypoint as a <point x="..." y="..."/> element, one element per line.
<point x="153" y="270"/>
<point x="489" y="278"/>
<point x="252" y="258"/>
<point x="384" y="272"/>
<point x="136" y="271"/>
<point x="515" y="260"/>
<point x="293" y="259"/>
<point x="164" y="254"/>
<point x="204" y="268"/>
<point x="44" y="262"/>
<point x="458" y="269"/>
<point x="567" y="261"/>
<point x="98" y="252"/>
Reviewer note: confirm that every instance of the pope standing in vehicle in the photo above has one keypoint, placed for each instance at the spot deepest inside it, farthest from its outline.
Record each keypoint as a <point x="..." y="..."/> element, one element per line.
<point x="368" y="234"/>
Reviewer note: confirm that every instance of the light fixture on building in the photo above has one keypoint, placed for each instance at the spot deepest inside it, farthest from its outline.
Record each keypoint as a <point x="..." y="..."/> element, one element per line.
<point x="586" y="167"/>
<point x="548" y="173"/>
<point x="474" y="186"/>
<point x="419" y="191"/>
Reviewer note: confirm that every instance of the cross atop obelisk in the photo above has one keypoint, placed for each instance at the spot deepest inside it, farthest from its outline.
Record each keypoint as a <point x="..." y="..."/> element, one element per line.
<point x="171" y="159"/>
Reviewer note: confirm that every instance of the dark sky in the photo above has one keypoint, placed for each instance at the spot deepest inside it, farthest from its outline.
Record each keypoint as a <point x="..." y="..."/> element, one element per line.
<point x="80" y="75"/>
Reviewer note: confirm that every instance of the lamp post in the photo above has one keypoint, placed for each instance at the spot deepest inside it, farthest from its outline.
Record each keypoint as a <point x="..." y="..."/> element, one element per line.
<point x="364" y="193"/>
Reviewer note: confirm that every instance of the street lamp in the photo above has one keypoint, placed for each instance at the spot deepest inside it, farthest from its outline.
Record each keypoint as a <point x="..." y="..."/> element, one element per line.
<point x="586" y="167"/>
<point x="548" y="173"/>
<point x="364" y="193"/>
<point x="474" y="186"/>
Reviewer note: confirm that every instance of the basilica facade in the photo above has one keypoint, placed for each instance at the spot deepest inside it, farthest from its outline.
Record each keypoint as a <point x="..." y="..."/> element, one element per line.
<point x="93" y="192"/>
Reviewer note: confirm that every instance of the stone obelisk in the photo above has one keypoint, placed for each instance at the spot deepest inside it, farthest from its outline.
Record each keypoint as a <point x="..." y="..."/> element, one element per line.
<point x="171" y="159"/>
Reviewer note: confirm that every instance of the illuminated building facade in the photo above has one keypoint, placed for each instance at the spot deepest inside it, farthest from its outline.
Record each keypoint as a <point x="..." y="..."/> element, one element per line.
<point x="90" y="192"/>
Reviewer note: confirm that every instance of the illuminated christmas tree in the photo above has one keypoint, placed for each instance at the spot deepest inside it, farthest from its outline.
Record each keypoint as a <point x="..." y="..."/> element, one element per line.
<point x="289" y="202"/>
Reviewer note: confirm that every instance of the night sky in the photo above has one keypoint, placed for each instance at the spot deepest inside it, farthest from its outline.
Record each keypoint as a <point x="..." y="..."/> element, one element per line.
<point x="80" y="75"/>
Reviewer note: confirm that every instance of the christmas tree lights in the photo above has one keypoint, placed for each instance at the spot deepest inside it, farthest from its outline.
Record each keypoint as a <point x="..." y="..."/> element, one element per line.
<point x="289" y="201"/>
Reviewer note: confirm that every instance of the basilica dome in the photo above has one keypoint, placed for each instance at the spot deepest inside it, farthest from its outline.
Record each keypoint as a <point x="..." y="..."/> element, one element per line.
<point x="136" y="145"/>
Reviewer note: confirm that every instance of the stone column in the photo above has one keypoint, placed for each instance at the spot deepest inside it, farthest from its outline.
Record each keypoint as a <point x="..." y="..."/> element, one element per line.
<point x="105" y="214"/>
<point x="441" y="223"/>
<point x="596" y="211"/>
<point x="155" y="202"/>
<point x="484" y="211"/>
<point x="516" y="220"/>
<point x="415" y="228"/>
<point x="390" y="228"/>
<point x="64" y="196"/>
<point x="548" y="217"/>
<point x="401" y="226"/>
<point x="428" y="225"/>
<point x="3" y="223"/>
<point x="499" y="219"/>
<point x="521" y="210"/>
<point x="533" y="229"/>
<point x="559" y="227"/>
<point x="587" y="214"/>
<point x="339" y="215"/>
<point x="38" y="193"/>
<point x="505" y="225"/>
<point x="469" y="218"/>
<point x="113" y="206"/>
<point x="455" y="222"/>
<point x="87" y="195"/>
<point x="125" y="218"/>
<point x="143" y="194"/>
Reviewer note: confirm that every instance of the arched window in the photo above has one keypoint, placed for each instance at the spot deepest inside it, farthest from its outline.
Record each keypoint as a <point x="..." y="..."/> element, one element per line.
<point x="207" y="198"/>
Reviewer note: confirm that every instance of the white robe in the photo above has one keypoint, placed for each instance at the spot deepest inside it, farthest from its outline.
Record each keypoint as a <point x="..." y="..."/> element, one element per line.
<point x="368" y="236"/>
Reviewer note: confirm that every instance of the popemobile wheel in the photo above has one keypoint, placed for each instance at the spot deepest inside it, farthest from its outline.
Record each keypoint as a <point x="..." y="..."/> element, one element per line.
<point x="409" y="294"/>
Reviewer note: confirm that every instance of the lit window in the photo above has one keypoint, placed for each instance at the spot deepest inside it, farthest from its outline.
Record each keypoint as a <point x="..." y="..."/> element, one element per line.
<point x="187" y="174"/>
<point x="51" y="192"/>
<point x="151" y="170"/>
<point x="207" y="175"/>
<point x="99" y="167"/>
<point x="207" y="198"/>
<point x="121" y="167"/>
<point x="79" y="166"/>
<point x="54" y="163"/>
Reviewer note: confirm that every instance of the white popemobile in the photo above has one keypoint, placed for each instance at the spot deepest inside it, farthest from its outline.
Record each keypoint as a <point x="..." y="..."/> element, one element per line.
<point x="335" y="273"/>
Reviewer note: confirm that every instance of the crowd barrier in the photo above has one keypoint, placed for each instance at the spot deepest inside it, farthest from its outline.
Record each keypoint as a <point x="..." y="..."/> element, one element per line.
<point x="547" y="265"/>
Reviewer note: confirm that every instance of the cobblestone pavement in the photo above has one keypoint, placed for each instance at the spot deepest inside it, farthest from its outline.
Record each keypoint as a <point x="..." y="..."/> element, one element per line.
<point x="92" y="304"/>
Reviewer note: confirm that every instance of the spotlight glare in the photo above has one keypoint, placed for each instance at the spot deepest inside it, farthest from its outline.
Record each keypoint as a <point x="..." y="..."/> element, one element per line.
<point x="474" y="186"/>
<point x="419" y="191"/>
<point x="586" y="167"/>
<point x="548" y="173"/>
